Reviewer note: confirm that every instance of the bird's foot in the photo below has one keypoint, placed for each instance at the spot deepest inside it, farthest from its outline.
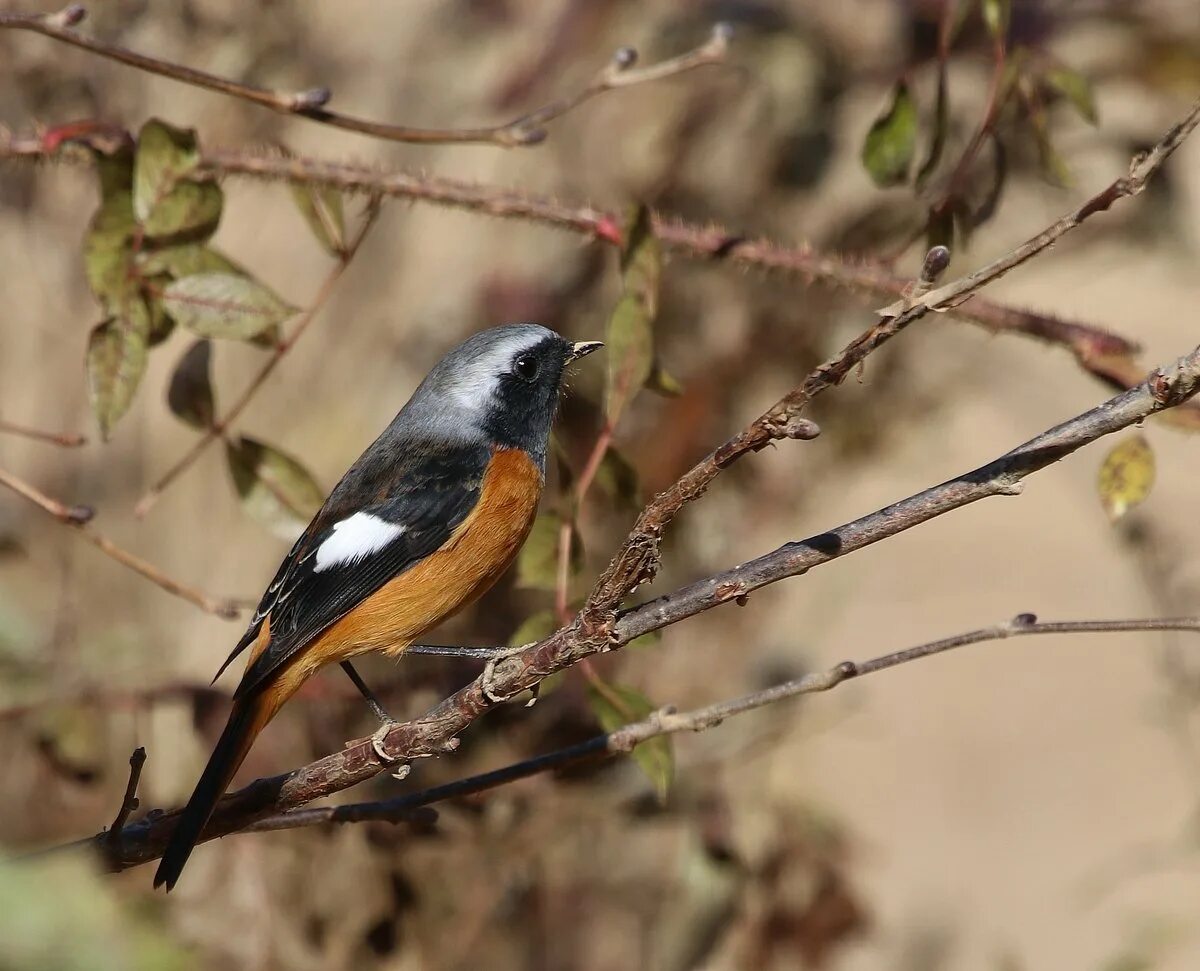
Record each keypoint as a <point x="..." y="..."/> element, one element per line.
<point x="487" y="679"/>
<point x="379" y="739"/>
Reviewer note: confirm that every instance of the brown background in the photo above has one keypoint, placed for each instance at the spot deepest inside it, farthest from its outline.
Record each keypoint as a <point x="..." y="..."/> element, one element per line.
<point x="1025" y="805"/>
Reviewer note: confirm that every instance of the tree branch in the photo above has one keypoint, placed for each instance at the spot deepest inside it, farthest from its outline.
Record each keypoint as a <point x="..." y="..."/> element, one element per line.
<point x="221" y="425"/>
<point x="435" y="732"/>
<point x="79" y="516"/>
<point x="667" y="721"/>
<point x="525" y="130"/>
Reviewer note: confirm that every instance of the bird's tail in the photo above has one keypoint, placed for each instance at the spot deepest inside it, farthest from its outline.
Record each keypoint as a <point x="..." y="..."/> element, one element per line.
<point x="247" y="719"/>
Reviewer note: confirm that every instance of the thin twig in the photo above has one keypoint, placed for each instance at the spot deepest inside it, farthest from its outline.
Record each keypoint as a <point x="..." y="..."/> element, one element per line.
<point x="525" y="130"/>
<point x="221" y="425"/>
<point x="62" y="439"/>
<point x="79" y="516"/>
<point x="130" y="801"/>
<point x="668" y="721"/>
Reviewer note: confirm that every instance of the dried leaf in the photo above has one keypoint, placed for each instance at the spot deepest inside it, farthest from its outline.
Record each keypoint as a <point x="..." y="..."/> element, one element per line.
<point x="275" y="489"/>
<point x="224" y="305"/>
<point x="1126" y="476"/>
<point x="165" y="202"/>
<point x="616" y="706"/>
<point x="996" y="15"/>
<point x="321" y="208"/>
<point x="1075" y="87"/>
<point x="537" y="564"/>
<point x="888" y="149"/>
<point x="629" y="339"/>
<point x="619" y="480"/>
<point x="190" y="393"/>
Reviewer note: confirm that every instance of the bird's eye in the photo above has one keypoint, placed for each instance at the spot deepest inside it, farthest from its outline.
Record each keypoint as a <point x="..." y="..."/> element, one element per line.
<point x="526" y="367"/>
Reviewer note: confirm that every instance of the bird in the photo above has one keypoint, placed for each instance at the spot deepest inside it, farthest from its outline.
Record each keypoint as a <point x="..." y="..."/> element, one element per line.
<point x="423" y="523"/>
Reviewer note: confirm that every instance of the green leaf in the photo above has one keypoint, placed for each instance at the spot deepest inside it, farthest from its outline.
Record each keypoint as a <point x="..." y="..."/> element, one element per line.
<point x="116" y="362"/>
<point x="188" y="259"/>
<point x="537" y="564"/>
<point x="1075" y="87"/>
<point x="190" y="393"/>
<point x="321" y="208"/>
<point x="629" y="339"/>
<point x="534" y="628"/>
<point x="1126" y="476"/>
<point x="616" y="706"/>
<point x="224" y="305"/>
<point x="662" y="382"/>
<point x="165" y="202"/>
<point x="275" y="489"/>
<point x="888" y="149"/>
<point x="108" y="243"/>
<point x="617" y="477"/>
<point x="996" y="15"/>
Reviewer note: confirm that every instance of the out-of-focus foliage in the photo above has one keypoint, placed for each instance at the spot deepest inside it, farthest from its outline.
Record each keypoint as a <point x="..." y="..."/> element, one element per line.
<point x="923" y="820"/>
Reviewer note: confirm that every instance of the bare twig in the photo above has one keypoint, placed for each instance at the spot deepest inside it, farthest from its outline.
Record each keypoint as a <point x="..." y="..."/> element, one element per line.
<point x="221" y="425"/>
<point x="526" y="130"/>
<point x="62" y="439"/>
<point x="79" y="516"/>
<point x="435" y="732"/>
<point x="130" y="801"/>
<point x="668" y="721"/>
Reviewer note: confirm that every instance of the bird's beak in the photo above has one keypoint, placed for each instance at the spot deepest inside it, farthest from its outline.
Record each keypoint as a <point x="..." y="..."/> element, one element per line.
<point x="583" y="349"/>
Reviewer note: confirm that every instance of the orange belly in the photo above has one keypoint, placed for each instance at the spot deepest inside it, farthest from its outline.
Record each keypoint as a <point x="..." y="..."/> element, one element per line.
<point x="437" y="587"/>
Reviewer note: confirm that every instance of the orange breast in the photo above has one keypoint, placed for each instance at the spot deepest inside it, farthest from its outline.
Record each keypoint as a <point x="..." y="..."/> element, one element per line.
<point x="474" y="557"/>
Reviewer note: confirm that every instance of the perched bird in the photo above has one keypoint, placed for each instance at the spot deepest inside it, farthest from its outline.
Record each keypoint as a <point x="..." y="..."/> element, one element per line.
<point x="424" y="522"/>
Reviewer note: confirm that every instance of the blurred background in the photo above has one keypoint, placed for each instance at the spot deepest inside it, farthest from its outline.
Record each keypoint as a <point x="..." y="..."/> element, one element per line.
<point x="1028" y="805"/>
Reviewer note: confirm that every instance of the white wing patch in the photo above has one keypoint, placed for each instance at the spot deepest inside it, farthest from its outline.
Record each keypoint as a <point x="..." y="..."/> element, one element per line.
<point x="354" y="539"/>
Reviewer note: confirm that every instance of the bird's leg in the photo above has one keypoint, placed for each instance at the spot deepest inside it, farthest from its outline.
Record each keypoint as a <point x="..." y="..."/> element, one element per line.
<point x="372" y="702"/>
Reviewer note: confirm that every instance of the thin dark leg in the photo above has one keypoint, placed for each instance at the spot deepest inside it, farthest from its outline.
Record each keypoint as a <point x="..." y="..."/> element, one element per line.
<point x="455" y="650"/>
<point x="372" y="701"/>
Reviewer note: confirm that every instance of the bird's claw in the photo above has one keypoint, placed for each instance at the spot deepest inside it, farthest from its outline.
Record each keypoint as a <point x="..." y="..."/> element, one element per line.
<point x="380" y="737"/>
<point x="489" y="674"/>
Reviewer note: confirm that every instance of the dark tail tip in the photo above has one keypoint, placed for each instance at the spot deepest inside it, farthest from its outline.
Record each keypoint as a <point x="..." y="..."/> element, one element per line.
<point x="231" y="748"/>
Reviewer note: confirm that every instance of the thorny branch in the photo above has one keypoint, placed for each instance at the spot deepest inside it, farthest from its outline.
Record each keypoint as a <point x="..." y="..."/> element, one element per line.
<point x="528" y="129"/>
<point x="61" y="439"/>
<point x="221" y="425"/>
<point x="602" y="625"/>
<point x="80" y="516"/>
<point x="129" y="803"/>
<point x="1105" y="355"/>
<point x="668" y="721"/>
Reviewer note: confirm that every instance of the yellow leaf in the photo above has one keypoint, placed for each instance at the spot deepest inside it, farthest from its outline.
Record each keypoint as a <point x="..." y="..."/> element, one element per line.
<point x="1126" y="477"/>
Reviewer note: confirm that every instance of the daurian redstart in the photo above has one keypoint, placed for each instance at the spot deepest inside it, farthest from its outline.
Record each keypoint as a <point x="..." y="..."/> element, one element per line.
<point x="424" y="522"/>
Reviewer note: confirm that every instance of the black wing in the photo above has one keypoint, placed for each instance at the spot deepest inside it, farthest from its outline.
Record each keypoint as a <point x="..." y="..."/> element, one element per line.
<point x="429" y="492"/>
